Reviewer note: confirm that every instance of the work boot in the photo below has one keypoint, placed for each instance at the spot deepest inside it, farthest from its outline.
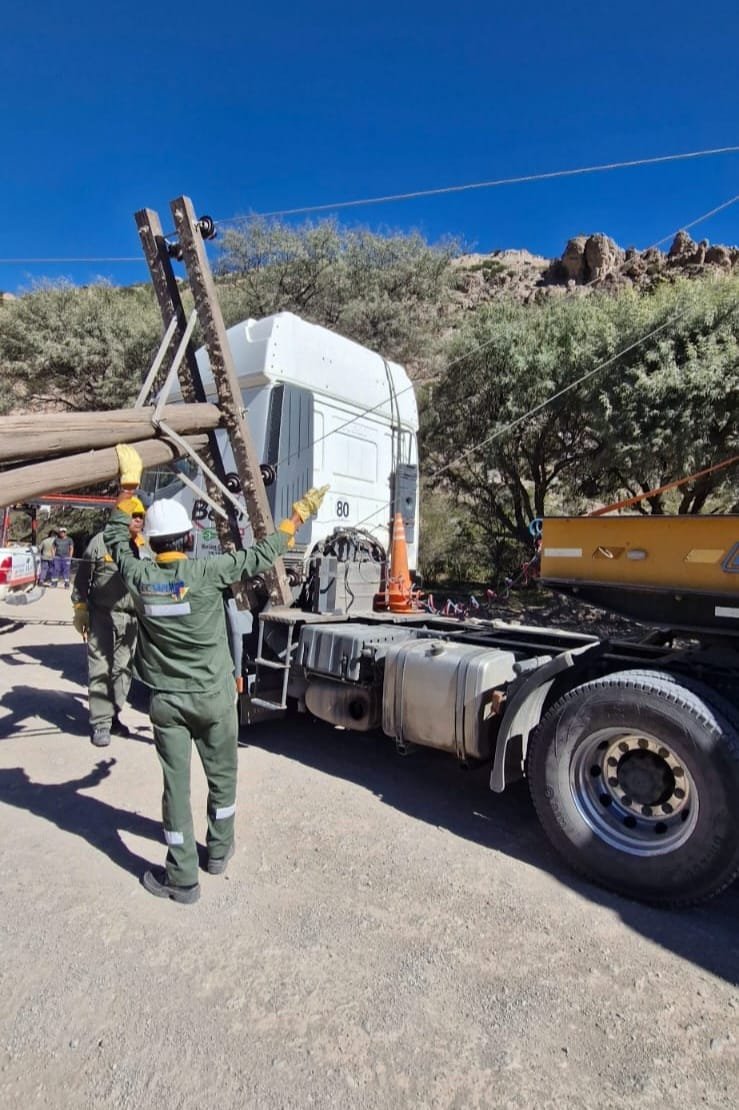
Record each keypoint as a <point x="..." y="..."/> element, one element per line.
<point x="217" y="865"/>
<point x="157" y="883"/>
<point x="101" y="736"/>
<point x="118" y="728"/>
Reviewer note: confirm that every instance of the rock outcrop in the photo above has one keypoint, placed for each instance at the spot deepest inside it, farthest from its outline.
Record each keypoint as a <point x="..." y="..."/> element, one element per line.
<point x="587" y="262"/>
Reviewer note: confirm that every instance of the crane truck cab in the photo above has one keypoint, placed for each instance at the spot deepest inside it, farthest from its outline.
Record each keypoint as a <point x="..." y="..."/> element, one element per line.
<point x="321" y="409"/>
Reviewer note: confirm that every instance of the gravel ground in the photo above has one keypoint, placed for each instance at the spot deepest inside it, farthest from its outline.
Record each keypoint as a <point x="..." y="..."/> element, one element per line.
<point x="389" y="934"/>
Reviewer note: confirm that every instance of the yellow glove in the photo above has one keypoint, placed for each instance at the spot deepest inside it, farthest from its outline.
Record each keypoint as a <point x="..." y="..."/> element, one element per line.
<point x="81" y="619"/>
<point x="310" y="503"/>
<point x="130" y="505"/>
<point x="129" y="465"/>
<point x="288" y="528"/>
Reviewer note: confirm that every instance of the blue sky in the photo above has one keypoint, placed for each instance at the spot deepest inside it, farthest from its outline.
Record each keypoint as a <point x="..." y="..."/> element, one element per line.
<point x="110" y="108"/>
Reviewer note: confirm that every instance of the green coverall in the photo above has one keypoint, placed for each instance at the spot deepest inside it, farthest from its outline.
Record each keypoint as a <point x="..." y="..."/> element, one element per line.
<point x="183" y="656"/>
<point x="111" y="640"/>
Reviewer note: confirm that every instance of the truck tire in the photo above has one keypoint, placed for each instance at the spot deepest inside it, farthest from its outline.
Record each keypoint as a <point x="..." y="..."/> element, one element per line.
<point x="635" y="779"/>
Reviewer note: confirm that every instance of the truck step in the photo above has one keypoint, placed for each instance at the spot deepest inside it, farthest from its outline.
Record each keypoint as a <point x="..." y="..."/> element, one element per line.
<point x="262" y="703"/>
<point x="271" y="664"/>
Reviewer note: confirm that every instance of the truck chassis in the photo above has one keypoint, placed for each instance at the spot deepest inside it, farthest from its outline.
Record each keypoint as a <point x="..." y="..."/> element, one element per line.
<point x="630" y="748"/>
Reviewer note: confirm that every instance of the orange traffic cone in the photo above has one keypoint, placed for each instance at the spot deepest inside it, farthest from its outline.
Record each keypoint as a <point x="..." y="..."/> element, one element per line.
<point x="399" y="588"/>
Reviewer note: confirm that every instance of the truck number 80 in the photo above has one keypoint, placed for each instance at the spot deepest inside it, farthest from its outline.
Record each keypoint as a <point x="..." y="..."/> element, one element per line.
<point x="342" y="509"/>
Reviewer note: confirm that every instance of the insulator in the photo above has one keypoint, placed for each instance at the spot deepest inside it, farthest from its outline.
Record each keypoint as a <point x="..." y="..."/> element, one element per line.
<point x="207" y="227"/>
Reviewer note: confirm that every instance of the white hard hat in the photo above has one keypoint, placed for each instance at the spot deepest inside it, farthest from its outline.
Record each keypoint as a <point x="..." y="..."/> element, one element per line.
<point x="166" y="518"/>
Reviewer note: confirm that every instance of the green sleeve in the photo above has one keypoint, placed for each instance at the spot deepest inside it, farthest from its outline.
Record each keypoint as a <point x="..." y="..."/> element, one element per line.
<point x="117" y="540"/>
<point x="83" y="578"/>
<point x="222" y="570"/>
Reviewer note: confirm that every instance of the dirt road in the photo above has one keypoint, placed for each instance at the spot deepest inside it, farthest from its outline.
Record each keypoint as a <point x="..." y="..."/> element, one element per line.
<point x="390" y="934"/>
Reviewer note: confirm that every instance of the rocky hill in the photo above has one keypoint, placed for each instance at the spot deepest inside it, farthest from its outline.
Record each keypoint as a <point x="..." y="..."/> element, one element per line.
<point x="587" y="262"/>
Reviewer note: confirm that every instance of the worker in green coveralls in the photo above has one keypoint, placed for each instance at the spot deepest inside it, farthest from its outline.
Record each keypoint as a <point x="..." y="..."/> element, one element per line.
<point x="105" y="617"/>
<point x="183" y="656"/>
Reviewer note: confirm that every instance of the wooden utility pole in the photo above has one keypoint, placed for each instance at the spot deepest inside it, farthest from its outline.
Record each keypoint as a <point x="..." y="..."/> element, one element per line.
<point x="227" y="386"/>
<point x="89" y="468"/>
<point x="167" y="292"/>
<point x="64" y="433"/>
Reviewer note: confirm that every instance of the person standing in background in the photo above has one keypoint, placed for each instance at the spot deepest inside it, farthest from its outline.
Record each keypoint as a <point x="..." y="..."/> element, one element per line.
<point x="47" y="554"/>
<point x="105" y="617"/>
<point x="64" y="547"/>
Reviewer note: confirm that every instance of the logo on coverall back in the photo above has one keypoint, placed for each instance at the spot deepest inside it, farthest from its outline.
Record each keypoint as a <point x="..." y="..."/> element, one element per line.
<point x="169" y="599"/>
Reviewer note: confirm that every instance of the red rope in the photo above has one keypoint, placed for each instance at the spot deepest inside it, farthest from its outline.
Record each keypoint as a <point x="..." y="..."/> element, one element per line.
<point x="662" y="489"/>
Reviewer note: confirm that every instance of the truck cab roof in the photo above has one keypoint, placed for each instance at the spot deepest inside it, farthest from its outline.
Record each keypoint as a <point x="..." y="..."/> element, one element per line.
<point x="285" y="349"/>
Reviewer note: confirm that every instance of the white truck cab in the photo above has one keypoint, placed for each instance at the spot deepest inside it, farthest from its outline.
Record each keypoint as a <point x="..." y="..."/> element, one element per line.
<point x="322" y="409"/>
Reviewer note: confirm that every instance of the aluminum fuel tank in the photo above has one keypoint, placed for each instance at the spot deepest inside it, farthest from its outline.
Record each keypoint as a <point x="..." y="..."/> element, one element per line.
<point x="438" y="694"/>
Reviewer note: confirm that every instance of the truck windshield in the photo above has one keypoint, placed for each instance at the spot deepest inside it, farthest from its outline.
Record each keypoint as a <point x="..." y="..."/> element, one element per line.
<point x="164" y="481"/>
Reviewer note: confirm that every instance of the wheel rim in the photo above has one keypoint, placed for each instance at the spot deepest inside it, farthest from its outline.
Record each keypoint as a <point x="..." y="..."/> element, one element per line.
<point x="633" y="791"/>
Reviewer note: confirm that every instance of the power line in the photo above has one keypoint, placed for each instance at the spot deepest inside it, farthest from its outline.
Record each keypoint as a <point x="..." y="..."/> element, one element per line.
<point x="693" y="223"/>
<point x="64" y="261"/>
<point x="482" y="346"/>
<point x="555" y="396"/>
<point x="550" y="400"/>
<point x="519" y="180"/>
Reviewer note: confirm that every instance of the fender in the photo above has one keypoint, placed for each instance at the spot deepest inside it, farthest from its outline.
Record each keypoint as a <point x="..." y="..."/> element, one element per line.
<point x="524" y="708"/>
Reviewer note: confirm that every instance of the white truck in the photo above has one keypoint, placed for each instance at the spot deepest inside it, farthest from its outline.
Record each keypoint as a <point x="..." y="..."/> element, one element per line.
<point x="322" y="409"/>
<point x="18" y="574"/>
<point x="630" y="748"/>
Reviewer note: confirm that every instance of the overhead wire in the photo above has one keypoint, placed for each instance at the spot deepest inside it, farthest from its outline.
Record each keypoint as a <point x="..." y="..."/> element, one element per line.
<point x="556" y="396"/>
<point x="64" y="261"/>
<point x="470" y="353"/>
<point x="520" y="179"/>
<point x="500" y="432"/>
<point x="416" y="194"/>
<point x="483" y="346"/>
<point x="591" y="373"/>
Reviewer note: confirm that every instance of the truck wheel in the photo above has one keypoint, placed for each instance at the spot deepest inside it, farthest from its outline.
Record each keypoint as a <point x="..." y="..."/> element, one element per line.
<point x="635" y="778"/>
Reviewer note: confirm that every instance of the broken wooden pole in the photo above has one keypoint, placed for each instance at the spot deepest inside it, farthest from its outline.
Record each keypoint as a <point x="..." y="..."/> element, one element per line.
<point x="166" y="287"/>
<point x="246" y="457"/>
<point x="76" y="472"/>
<point x="35" y="435"/>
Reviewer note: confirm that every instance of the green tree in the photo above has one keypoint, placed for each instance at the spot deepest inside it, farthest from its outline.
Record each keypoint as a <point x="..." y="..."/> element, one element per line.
<point x="668" y="407"/>
<point x="504" y="362"/>
<point x="389" y="292"/>
<point x="77" y="348"/>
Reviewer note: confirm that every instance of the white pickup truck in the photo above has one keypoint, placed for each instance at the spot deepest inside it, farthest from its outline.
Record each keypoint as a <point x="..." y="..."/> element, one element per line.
<point x="18" y="573"/>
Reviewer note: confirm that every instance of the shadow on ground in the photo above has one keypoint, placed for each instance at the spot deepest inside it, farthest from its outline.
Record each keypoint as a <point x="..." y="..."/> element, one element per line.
<point x="430" y="786"/>
<point x="97" y="822"/>
<point x="68" y="660"/>
<point x="63" y="710"/>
